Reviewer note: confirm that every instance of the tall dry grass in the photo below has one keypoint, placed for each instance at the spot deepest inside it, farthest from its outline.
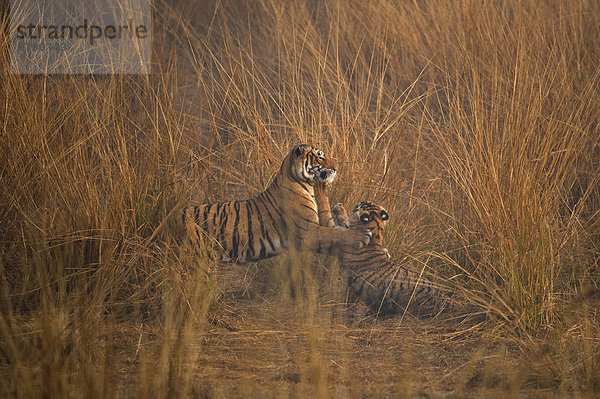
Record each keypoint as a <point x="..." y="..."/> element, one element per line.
<point x="475" y="124"/>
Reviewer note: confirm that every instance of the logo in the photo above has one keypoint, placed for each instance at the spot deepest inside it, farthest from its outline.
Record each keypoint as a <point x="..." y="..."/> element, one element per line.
<point x="75" y="37"/>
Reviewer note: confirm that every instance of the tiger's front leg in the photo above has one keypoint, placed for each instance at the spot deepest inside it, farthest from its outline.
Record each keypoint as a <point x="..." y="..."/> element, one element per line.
<point x="326" y="218"/>
<point x="335" y="235"/>
<point x="323" y="207"/>
<point x="328" y="240"/>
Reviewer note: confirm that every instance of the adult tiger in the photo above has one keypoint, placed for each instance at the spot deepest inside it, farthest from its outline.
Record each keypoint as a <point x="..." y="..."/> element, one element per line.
<point x="264" y="226"/>
<point x="383" y="285"/>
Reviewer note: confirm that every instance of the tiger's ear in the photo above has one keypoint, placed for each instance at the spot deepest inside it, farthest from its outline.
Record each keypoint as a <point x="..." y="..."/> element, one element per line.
<point x="300" y="149"/>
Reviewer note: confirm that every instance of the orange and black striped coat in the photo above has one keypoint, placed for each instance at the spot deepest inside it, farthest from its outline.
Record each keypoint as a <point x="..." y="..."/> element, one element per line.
<point x="285" y="213"/>
<point x="382" y="284"/>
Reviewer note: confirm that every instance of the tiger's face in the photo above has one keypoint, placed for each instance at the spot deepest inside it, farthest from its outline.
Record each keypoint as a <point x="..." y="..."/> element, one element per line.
<point x="374" y="217"/>
<point x="311" y="165"/>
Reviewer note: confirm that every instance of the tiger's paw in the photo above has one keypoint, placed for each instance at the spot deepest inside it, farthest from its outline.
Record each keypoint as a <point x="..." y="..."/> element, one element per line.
<point x="360" y="237"/>
<point x="341" y="215"/>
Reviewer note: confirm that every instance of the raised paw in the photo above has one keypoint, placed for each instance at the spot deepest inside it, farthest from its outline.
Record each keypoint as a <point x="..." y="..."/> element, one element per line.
<point x="341" y="215"/>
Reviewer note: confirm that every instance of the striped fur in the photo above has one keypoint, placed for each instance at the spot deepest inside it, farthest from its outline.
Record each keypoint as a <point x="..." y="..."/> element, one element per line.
<point x="383" y="285"/>
<point x="286" y="212"/>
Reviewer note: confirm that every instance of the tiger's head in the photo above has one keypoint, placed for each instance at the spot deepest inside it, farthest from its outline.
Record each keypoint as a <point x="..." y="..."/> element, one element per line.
<point x="374" y="217"/>
<point x="309" y="164"/>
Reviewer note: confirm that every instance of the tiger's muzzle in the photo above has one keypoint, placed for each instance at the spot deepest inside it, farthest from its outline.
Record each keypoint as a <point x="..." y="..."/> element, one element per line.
<point x="327" y="175"/>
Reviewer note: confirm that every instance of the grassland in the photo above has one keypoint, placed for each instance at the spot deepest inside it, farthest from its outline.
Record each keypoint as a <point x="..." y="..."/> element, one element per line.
<point x="476" y="124"/>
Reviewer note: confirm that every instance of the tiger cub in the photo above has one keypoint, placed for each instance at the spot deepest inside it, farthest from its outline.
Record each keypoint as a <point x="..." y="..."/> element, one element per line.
<point x="383" y="285"/>
<point x="283" y="215"/>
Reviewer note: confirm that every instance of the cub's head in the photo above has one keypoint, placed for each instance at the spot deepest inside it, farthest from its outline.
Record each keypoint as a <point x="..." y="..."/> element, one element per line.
<point x="309" y="164"/>
<point x="368" y="215"/>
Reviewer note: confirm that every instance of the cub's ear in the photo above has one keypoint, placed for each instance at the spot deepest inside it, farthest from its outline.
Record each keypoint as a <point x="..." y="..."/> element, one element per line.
<point x="358" y="206"/>
<point x="297" y="151"/>
<point x="384" y="215"/>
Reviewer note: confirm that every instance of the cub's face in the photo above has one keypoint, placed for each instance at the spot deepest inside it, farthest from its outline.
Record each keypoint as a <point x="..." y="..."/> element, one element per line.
<point x="311" y="165"/>
<point x="371" y="216"/>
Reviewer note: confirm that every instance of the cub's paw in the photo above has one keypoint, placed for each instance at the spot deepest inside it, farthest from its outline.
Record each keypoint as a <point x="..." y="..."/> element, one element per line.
<point x="341" y="215"/>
